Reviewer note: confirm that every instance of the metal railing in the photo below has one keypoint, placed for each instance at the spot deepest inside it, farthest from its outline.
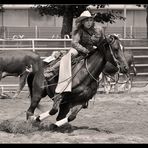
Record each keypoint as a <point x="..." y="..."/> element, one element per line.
<point x="35" y="44"/>
<point x="54" y="32"/>
<point x="45" y="45"/>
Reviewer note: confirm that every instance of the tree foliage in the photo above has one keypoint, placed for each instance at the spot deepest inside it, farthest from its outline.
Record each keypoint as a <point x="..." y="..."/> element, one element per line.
<point x="142" y="5"/>
<point x="73" y="11"/>
<point x="59" y="9"/>
<point x="146" y="8"/>
<point x="1" y="8"/>
<point x="108" y="17"/>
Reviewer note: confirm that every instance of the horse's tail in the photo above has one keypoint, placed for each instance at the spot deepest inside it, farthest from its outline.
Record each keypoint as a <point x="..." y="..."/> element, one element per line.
<point x="37" y="64"/>
<point x="35" y="81"/>
<point x="36" y="67"/>
<point x="29" y="82"/>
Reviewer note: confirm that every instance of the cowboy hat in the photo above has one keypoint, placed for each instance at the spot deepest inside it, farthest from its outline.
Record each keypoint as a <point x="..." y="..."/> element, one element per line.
<point x="85" y="14"/>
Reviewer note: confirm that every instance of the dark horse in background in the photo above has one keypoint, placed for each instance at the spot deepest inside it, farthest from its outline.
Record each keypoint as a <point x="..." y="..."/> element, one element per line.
<point x="111" y="77"/>
<point x="19" y="64"/>
<point x="84" y="82"/>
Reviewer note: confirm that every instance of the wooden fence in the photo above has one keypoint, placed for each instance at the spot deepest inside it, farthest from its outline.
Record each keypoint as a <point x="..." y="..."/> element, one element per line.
<point x="46" y="46"/>
<point x="55" y="32"/>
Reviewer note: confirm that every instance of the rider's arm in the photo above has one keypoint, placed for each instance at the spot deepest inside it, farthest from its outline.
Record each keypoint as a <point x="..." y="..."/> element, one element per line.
<point x="96" y="38"/>
<point x="75" y="44"/>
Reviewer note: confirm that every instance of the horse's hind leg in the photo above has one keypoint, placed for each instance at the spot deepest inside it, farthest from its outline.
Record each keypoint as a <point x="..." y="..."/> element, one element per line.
<point x="32" y="107"/>
<point x="30" y="82"/>
<point x="36" y="94"/>
<point x="22" y="82"/>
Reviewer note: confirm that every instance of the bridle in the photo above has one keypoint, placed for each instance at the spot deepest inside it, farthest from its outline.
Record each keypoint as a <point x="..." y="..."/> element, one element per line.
<point x="114" y="58"/>
<point x="116" y="61"/>
<point x="118" y="72"/>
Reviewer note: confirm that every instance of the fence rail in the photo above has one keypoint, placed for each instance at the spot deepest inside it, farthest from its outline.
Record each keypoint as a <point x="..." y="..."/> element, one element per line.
<point x="45" y="47"/>
<point x="54" y="32"/>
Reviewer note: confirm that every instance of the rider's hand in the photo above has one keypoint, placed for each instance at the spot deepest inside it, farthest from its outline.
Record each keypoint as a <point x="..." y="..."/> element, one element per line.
<point x="86" y="52"/>
<point x="95" y="38"/>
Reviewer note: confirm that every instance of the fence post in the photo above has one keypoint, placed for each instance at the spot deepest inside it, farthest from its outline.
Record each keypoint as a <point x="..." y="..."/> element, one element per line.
<point x="4" y="29"/>
<point x="124" y="31"/>
<point x="33" y="47"/>
<point x="131" y="31"/>
<point x="36" y="32"/>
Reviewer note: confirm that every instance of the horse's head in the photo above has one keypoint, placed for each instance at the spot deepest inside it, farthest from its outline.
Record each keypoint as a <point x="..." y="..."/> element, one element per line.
<point x="116" y="50"/>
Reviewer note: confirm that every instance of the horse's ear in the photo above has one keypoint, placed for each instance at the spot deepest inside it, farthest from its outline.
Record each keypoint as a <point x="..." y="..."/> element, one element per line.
<point x="116" y="36"/>
<point x="119" y="36"/>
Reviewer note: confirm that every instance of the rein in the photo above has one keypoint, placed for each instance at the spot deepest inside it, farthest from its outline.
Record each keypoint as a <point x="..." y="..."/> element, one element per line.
<point x="128" y="78"/>
<point x="97" y="80"/>
<point x="63" y="80"/>
<point x="107" y="75"/>
<point x="118" y="72"/>
<point x="116" y="61"/>
<point x="86" y="65"/>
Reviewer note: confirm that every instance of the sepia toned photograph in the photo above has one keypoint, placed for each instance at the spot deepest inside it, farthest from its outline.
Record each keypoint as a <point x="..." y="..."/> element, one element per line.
<point x="73" y="73"/>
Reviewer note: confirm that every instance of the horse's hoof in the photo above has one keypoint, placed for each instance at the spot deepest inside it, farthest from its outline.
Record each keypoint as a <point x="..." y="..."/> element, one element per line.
<point x="29" y="115"/>
<point x="53" y="127"/>
<point x="38" y="119"/>
<point x="53" y="111"/>
<point x="32" y="118"/>
<point x="85" y="105"/>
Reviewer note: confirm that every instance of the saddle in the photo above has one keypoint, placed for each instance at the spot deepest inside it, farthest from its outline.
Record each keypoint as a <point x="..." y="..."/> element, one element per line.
<point x="50" y="70"/>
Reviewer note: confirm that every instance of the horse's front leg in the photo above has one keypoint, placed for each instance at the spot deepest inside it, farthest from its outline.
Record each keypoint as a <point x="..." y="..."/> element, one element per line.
<point x="129" y="82"/>
<point x="129" y="86"/>
<point x="74" y="111"/>
<point x="107" y="84"/>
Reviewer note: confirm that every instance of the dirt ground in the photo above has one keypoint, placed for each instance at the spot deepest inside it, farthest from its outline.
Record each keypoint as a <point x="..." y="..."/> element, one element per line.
<point x="109" y="118"/>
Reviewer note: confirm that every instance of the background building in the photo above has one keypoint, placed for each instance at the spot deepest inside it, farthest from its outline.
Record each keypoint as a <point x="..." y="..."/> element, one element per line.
<point x="21" y="19"/>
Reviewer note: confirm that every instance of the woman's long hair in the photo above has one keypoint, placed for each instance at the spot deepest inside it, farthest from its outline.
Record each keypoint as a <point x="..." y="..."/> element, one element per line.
<point x="80" y="26"/>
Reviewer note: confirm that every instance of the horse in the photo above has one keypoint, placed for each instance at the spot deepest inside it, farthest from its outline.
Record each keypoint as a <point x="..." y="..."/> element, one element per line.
<point x="84" y="82"/>
<point x="19" y="64"/>
<point x="109" y="74"/>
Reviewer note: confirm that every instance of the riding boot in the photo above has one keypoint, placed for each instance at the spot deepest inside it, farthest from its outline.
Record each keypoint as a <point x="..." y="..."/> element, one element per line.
<point x="57" y="100"/>
<point x="50" y="72"/>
